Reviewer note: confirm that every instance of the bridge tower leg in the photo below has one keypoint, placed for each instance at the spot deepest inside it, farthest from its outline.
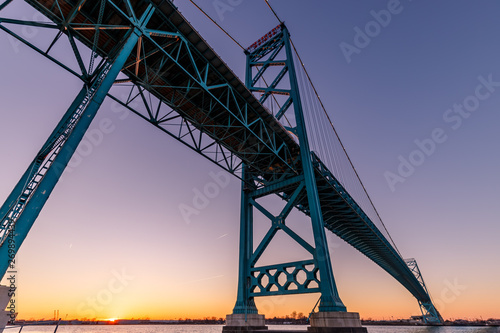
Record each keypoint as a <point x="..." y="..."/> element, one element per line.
<point x="274" y="49"/>
<point x="24" y="204"/>
<point x="430" y="314"/>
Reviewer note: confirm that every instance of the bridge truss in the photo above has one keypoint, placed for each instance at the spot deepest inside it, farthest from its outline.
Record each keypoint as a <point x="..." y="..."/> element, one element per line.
<point x="168" y="75"/>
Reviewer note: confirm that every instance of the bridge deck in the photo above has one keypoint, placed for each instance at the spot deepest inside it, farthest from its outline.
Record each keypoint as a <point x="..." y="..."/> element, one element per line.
<point x="202" y="108"/>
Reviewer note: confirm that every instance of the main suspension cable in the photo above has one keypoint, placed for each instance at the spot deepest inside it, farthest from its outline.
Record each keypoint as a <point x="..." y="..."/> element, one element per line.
<point x="217" y="24"/>
<point x="271" y="8"/>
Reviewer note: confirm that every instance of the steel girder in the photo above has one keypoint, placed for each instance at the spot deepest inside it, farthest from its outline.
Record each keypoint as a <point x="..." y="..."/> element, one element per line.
<point x="284" y="279"/>
<point x="22" y="207"/>
<point x="174" y="80"/>
<point x="429" y="312"/>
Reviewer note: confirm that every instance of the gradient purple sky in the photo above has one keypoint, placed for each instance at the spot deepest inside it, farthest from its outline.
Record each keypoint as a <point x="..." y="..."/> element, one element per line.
<point x="118" y="207"/>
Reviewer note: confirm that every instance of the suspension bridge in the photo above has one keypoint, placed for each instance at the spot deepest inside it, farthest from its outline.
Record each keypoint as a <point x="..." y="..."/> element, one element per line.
<point x="272" y="132"/>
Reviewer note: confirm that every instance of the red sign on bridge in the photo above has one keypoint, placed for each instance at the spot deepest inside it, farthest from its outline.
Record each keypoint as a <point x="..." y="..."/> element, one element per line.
<point x="264" y="39"/>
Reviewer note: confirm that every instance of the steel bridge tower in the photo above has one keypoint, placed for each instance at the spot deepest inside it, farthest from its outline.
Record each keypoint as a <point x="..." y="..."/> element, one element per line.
<point x="273" y="51"/>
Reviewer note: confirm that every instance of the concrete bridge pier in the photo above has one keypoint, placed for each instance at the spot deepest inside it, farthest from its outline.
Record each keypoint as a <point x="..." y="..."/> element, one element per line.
<point x="321" y="322"/>
<point x="248" y="323"/>
<point x="336" y="322"/>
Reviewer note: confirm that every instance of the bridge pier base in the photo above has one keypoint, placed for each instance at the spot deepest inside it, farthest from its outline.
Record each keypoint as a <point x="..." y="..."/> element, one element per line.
<point x="248" y="323"/>
<point x="336" y="322"/>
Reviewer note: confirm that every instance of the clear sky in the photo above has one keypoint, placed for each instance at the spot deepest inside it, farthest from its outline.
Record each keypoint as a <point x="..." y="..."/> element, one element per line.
<point x="111" y="241"/>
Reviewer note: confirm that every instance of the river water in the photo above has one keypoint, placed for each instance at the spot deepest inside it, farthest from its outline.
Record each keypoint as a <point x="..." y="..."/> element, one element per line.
<point x="218" y="329"/>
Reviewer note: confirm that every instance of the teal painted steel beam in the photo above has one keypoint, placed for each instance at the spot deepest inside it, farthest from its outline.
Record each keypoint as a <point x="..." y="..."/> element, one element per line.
<point x="275" y="187"/>
<point x="245" y="303"/>
<point x="24" y="204"/>
<point x="298" y="239"/>
<point x="205" y="75"/>
<point x="292" y="201"/>
<point x="330" y="299"/>
<point x="5" y="3"/>
<point x="41" y="52"/>
<point x="283" y="279"/>
<point x="263" y="244"/>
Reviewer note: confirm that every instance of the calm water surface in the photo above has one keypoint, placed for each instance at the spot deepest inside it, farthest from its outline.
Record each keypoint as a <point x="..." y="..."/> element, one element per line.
<point x="218" y="329"/>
